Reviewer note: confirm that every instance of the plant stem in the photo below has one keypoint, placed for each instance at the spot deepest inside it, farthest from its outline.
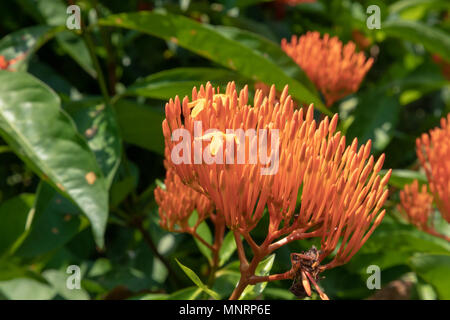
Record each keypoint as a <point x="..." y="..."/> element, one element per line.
<point x="101" y="79"/>
<point x="248" y="276"/>
<point x="219" y="231"/>
<point x="148" y="239"/>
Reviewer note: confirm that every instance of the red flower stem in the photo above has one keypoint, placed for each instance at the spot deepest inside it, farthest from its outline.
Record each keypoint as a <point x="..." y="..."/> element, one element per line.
<point x="273" y="277"/>
<point x="248" y="271"/>
<point x="219" y="231"/>
<point x="436" y="234"/>
<point x="296" y="235"/>
<point x="194" y="233"/>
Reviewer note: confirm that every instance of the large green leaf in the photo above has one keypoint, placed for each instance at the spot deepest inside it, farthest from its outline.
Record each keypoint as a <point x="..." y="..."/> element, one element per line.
<point x="179" y="81"/>
<point x="97" y="122"/>
<point x="434" y="40"/>
<point x="22" y="43"/>
<point x="434" y="268"/>
<point x="26" y="289"/>
<point x="140" y="125"/>
<point x="14" y="215"/>
<point x="189" y="293"/>
<point x="33" y="124"/>
<point x="56" y="220"/>
<point x="248" y="54"/>
<point x="375" y="118"/>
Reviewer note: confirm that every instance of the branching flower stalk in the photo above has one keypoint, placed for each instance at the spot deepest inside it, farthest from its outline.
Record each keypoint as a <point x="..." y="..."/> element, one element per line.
<point x="340" y="190"/>
<point x="177" y="202"/>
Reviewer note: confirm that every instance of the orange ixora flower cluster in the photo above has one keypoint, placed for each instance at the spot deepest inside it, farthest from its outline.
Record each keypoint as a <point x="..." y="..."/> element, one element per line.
<point x="177" y="202"/>
<point x="433" y="151"/>
<point x="416" y="204"/>
<point x="336" y="69"/>
<point x="250" y="158"/>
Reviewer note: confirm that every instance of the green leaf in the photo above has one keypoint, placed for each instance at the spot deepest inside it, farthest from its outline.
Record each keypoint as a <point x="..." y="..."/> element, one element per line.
<point x="53" y="79"/>
<point x="263" y="269"/>
<point x="248" y="54"/>
<point x="11" y="268"/>
<point x="189" y="293"/>
<point x="180" y="81"/>
<point x="53" y="13"/>
<point x="26" y="289"/>
<point x="434" y="40"/>
<point x="433" y="268"/>
<point x="140" y="125"/>
<point x="401" y="177"/>
<point x="375" y="118"/>
<point x="14" y="214"/>
<point x="97" y="122"/>
<point x="415" y="9"/>
<point x="204" y="232"/>
<point x="23" y="43"/>
<point x="56" y="152"/>
<point x="156" y="296"/>
<point x="56" y="221"/>
<point x="392" y="244"/>
<point x="191" y="274"/>
<point x="225" y="281"/>
<point x="227" y="249"/>
<point x="121" y="189"/>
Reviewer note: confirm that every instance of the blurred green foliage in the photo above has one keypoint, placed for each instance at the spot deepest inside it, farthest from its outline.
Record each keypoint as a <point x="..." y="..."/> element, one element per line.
<point x="81" y="144"/>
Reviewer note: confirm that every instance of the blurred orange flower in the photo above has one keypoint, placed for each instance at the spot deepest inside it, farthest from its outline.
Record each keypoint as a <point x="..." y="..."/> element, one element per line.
<point x="416" y="204"/>
<point x="177" y="202"/>
<point x="433" y="151"/>
<point x="336" y="69"/>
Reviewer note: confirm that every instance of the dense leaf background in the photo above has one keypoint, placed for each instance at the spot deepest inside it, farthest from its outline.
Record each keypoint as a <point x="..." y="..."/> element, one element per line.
<point x="81" y="145"/>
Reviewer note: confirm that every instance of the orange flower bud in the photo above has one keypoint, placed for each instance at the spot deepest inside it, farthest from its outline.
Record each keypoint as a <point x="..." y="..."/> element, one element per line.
<point x="335" y="69"/>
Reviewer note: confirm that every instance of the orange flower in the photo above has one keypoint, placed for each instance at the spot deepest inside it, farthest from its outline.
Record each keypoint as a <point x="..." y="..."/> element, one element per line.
<point x="336" y="69"/>
<point x="177" y="202"/>
<point x="433" y="151"/>
<point x="360" y="39"/>
<point x="340" y="190"/>
<point x="416" y="204"/>
<point x="340" y="185"/>
<point x="238" y="190"/>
